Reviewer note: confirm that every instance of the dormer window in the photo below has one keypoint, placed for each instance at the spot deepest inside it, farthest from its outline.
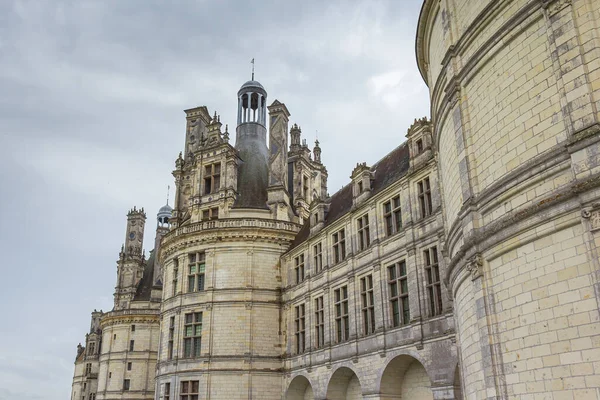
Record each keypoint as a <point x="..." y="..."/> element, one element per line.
<point x="360" y="187"/>
<point x="212" y="178"/>
<point x="316" y="218"/>
<point x="419" y="146"/>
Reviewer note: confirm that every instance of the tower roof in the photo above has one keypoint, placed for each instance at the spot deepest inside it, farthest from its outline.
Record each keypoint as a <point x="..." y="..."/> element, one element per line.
<point x="166" y="209"/>
<point x="252" y="84"/>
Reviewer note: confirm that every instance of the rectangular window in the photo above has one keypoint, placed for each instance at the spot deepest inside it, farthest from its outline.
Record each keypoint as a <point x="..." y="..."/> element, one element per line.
<point x="305" y="189"/>
<point x="367" y="304"/>
<point x="91" y="348"/>
<point x="192" y="338"/>
<point x="132" y="328"/>
<point x="212" y="178"/>
<point x="167" y="395"/>
<point x="398" y="286"/>
<point x="126" y="383"/>
<point x="392" y="215"/>
<point x="129" y="366"/>
<point x="425" y="198"/>
<point x="211" y="213"/>
<point x="88" y="368"/>
<point x="318" y="257"/>
<point x="364" y="237"/>
<point x="342" y="325"/>
<point x="131" y="343"/>
<point x="92" y="396"/>
<point x="319" y="322"/>
<point x="300" y="329"/>
<point x="434" y="287"/>
<point x="196" y="270"/>
<point x="171" y="336"/>
<point x="189" y="390"/>
<point x="339" y="246"/>
<point x="175" y="275"/>
<point x="419" y="146"/>
<point x="299" y="268"/>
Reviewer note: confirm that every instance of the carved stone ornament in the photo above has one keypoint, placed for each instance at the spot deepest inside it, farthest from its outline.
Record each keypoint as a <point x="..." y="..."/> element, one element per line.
<point x="475" y="266"/>
<point x="555" y="6"/>
<point x="594" y="216"/>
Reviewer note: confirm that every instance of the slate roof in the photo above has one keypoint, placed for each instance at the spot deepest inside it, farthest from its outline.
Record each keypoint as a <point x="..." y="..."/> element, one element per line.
<point x="386" y="171"/>
<point x="144" y="289"/>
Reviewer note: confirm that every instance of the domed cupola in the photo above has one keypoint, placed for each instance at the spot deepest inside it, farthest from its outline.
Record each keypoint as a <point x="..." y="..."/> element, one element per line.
<point x="163" y="217"/>
<point x="252" y="103"/>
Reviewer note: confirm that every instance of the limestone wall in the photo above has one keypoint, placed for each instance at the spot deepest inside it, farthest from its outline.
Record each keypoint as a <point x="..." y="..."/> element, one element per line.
<point x="119" y="363"/>
<point x="516" y="91"/>
<point x="240" y="355"/>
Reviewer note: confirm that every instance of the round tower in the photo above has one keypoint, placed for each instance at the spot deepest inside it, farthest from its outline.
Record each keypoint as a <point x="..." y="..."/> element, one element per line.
<point x="251" y="144"/>
<point x="516" y="129"/>
<point x="222" y="325"/>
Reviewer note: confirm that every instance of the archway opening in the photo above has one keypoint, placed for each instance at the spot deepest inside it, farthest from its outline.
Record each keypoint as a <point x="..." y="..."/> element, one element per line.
<point x="299" y="389"/>
<point x="405" y="378"/>
<point x="344" y="385"/>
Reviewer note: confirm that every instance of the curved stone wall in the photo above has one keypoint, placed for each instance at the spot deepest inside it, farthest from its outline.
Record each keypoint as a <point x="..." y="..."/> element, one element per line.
<point x="515" y="96"/>
<point x="240" y="355"/>
<point x="121" y="360"/>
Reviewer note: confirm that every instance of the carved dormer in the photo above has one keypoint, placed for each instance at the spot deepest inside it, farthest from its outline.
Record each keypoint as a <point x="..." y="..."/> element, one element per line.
<point x="420" y="142"/>
<point x="213" y="136"/>
<point x="318" y="213"/>
<point x="362" y="178"/>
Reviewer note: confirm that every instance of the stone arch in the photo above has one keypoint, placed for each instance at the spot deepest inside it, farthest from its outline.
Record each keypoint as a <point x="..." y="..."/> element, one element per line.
<point x="299" y="389"/>
<point x="344" y="385"/>
<point x="405" y="377"/>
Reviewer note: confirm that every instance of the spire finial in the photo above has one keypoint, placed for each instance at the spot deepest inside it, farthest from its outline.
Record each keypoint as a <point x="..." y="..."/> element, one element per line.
<point x="252" y="62"/>
<point x="168" y="188"/>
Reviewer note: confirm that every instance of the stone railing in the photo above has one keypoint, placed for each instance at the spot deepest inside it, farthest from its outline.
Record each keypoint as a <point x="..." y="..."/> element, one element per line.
<point x="131" y="311"/>
<point x="233" y="223"/>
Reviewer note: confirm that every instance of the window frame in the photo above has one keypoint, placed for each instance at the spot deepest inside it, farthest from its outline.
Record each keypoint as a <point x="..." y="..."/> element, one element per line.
<point x="189" y="393"/>
<point x="299" y="270"/>
<point x="196" y="278"/>
<point x="339" y="245"/>
<point x="171" y="337"/>
<point x="167" y="391"/>
<point x="318" y="257"/>
<point x="433" y="284"/>
<point x="398" y="294"/>
<point x="300" y="327"/>
<point x="392" y="216"/>
<point x="367" y="297"/>
<point x="319" y="322"/>
<point x="342" y="319"/>
<point x="424" y="192"/>
<point x="212" y="178"/>
<point x="126" y="384"/>
<point x="175" y="275"/>
<point x="363" y="232"/>
<point x="192" y="342"/>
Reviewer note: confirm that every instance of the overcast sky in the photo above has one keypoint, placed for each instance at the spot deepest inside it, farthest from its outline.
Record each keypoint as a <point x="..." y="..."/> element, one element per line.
<point x="92" y="95"/>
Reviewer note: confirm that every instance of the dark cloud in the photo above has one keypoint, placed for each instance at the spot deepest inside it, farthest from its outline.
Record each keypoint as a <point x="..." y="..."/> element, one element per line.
<point x="91" y="100"/>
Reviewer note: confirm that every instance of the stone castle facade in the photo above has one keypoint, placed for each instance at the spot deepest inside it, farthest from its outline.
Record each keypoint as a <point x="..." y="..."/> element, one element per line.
<point x="462" y="265"/>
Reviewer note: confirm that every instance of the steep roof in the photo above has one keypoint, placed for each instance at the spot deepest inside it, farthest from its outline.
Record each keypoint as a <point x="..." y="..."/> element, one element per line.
<point x="385" y="172"/>
<point x="144" y="289"/>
